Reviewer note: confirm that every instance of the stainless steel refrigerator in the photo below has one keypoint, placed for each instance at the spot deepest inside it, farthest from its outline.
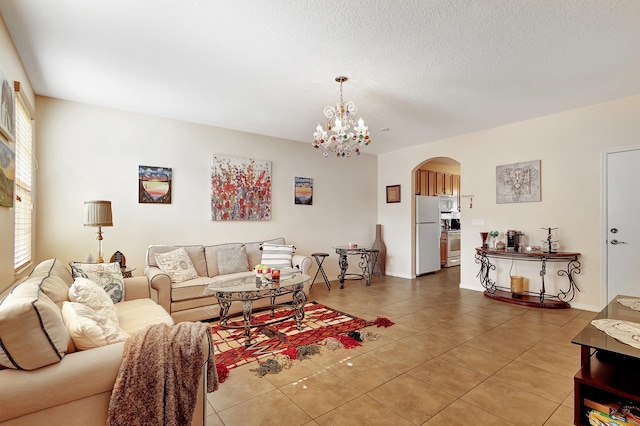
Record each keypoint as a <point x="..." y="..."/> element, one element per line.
<point x="427" y="234"/>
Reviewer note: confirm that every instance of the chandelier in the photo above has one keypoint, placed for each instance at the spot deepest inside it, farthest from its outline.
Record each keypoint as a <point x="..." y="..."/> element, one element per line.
<point x="338" y="136"/>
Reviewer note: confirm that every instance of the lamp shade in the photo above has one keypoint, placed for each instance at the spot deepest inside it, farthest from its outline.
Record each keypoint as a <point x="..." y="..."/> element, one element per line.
<point x="97" y="213"/>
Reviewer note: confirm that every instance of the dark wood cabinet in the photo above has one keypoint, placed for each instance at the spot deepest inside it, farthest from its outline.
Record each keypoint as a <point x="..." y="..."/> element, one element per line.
<point x="610" y="370"/>
<point x="443" y="249"/>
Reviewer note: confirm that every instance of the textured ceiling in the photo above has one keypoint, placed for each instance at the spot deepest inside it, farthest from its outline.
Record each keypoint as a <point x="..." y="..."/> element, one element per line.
<point x="425" y="69"/>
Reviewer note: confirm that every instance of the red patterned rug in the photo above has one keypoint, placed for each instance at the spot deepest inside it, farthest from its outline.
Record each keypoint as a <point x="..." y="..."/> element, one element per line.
<point x="319" y="323"/>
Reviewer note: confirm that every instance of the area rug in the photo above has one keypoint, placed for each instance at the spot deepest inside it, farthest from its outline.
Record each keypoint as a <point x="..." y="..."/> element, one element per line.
<point x="320" y="322"/>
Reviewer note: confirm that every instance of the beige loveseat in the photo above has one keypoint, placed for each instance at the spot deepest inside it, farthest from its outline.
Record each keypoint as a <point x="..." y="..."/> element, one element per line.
<point x="52" y="383"/>
<point x="191" y="300"/>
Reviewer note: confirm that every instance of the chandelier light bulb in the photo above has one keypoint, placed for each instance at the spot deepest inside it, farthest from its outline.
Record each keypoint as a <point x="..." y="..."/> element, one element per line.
<point x="343" y="141"/>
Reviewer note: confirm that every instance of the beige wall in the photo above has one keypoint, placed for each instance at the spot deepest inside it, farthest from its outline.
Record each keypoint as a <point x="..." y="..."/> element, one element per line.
<point x="86" y="152"/>
<point x="13" y="69"/>
<point x="569" y="145"/>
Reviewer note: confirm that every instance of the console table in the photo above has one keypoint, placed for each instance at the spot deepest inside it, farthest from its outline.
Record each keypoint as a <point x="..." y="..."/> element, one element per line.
<point x="529" y="298"/>
<point x="367" y="263"/>
<point x="613" y="374"/>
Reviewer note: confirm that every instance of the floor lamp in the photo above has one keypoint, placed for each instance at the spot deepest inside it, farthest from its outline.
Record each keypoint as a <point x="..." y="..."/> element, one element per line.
<point x="98" y="213"/>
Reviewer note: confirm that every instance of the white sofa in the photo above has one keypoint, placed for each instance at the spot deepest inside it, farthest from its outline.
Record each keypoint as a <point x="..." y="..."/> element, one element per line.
<point x="191" y="300"/>
<point x="51" y="382"/>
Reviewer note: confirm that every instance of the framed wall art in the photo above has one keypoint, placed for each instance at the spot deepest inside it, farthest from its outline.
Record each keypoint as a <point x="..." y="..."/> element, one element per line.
<point x="240" y="188"/>
<point x="303" y="192"/>
<point x="393" y="194"/>
<point x="7" y="175"/>
<point x="7" y="108"/>
<point x="518" y="182"/>
<point x="154" y="184"/>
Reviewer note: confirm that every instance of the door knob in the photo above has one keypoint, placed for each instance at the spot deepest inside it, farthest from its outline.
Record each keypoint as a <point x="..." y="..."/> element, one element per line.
<point x="616" y="242"/>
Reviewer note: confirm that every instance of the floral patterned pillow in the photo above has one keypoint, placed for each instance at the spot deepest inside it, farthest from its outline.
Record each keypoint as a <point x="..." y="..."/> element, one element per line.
<point x="106" y="275"/>
<point x="177" y="264"/>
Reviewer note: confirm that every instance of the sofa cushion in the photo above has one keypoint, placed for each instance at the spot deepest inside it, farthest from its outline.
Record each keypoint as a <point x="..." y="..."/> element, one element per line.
<point x="106" y="275"/>
<point x="136" y="314"/>
<point x="211" y="256"/>
<point x="177" y="264"/>
<point x="232" y="259"/>
<point x="197" y="288"/>
<point x="195" y="252"/>
<point x="88" y="328"/>
<point x="57" y="279"/>
<point x="88" y="293"/>
<point x="32" y="331"/>
<point x="277" y="256"/>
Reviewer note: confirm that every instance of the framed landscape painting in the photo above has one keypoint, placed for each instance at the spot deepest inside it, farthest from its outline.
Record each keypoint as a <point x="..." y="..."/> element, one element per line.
<point x="7" y="175"/>
<point x="7" y="108"/>
<point x="240" y="188"/>
<point x="154" y="184"/>
<point x="303" y="190"/>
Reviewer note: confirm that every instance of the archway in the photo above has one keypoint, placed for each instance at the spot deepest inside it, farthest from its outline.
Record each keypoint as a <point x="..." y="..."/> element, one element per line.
<point x="437" y="177"/>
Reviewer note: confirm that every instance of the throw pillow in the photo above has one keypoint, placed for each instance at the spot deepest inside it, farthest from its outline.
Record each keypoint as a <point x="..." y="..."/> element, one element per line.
<point x="89" y="329"/>
<point x="278" y="256"/>
<point x="90" y="294"/>
<point x="106" y="275"/>
<point x="31" y="328"/>
<point x="232" y="259"/>
<point x="177" y="264"/>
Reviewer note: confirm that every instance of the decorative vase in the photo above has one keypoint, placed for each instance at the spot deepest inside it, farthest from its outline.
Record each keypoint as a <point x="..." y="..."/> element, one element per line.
<point x="484" y="236"/>
<point x="382" y="254"/>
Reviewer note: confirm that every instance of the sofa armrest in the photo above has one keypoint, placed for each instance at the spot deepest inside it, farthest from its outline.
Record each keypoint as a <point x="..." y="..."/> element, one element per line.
<point x="78" y="375"/>
<point x="136" y="288"/>
<point x="161" y="282"/>
<point x="303" y="263"/>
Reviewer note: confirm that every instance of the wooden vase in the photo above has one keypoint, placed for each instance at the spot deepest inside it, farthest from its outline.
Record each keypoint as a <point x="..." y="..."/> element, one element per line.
<point x="382" y="255"/>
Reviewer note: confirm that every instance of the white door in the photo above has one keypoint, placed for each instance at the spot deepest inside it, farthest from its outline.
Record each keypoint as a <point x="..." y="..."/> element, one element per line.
<point x="623" y="219"/>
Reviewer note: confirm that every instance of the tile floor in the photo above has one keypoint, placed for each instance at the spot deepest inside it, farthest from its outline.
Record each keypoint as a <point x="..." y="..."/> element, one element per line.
<point x="453" y="357"/>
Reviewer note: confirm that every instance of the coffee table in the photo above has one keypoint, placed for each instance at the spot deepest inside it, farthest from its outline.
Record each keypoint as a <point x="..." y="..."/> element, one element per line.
<point x="247" y="290"/>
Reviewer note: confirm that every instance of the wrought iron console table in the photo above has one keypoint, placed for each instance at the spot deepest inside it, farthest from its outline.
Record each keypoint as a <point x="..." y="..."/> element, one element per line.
<point x="530" y="298"/>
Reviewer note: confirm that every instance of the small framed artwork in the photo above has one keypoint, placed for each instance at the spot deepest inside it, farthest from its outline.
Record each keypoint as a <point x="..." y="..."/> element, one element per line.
<point x="303" y="190"/>
<point x="393" y="194"/>
<point x="7" y="109"/>
<point x="154" y="185"/>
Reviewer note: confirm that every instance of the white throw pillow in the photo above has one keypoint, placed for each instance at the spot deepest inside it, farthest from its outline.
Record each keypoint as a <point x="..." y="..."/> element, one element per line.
<point x="32" y="331"/>
<point x="106" y="275"/>
<point x="177" y="264"/>
<point x="92" y="295"/>
<point x="88" y="329"/>
<point x="278" y="256"/>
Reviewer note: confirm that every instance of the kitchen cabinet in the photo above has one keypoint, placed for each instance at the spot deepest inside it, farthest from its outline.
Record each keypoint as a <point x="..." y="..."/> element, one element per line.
<point x="432" y="183"/>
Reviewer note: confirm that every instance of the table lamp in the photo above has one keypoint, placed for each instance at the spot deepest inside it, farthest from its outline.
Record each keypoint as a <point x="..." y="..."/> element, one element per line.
<point x="98" y="213"/>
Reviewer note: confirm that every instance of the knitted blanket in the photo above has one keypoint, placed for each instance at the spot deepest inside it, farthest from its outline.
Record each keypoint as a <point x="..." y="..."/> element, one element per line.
<point x="160" y="376"/>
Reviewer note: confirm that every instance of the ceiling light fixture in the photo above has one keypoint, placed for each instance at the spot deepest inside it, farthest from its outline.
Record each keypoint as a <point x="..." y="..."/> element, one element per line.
<point x="340" y="118"/>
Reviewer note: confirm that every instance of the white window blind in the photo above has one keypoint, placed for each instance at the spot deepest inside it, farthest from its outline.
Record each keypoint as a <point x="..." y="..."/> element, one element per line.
<point x="23" y="206"/>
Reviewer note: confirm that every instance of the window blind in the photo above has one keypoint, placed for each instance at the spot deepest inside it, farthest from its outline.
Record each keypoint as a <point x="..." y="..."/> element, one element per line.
<point x="23" y="205"/>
